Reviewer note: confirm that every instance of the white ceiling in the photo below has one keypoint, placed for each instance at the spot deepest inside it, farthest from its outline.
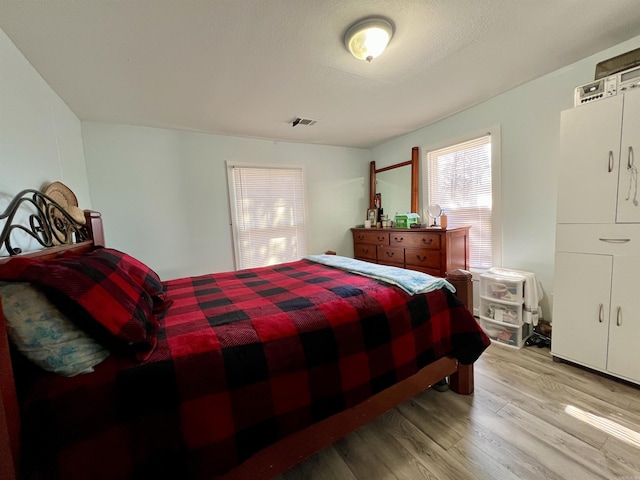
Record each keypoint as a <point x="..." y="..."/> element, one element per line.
<point x="249" y="67"/>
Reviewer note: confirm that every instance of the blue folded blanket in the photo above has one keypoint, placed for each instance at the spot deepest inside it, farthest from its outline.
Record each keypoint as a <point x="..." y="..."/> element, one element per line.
<point x="410" y="281"/>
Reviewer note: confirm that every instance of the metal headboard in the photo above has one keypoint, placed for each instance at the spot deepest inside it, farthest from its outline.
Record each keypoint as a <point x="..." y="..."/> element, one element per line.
<point x="49" y="224"/>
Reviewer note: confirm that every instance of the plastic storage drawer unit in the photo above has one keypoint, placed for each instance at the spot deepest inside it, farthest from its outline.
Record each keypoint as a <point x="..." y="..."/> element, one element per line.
<point x="501" y="307"/>
<point x="510" y="335"/>
<point x="501" y="288"/>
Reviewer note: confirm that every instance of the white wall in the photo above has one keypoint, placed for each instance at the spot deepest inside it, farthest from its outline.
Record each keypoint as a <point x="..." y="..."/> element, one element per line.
<point x="40" y="137"/>
<point x="164" y="192"/>
<point x="164" y="197"/>
<point x="529" y="117"/>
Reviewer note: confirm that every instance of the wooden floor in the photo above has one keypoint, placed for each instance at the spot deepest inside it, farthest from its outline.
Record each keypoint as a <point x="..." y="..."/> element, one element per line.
<point x="528" y="418"/>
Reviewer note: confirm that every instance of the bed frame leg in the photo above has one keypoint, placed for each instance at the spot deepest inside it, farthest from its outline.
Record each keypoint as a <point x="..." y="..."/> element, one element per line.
<point x="462" y="381"/>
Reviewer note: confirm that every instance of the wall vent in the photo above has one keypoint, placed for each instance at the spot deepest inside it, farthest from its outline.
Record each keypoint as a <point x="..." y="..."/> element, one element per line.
<point x="302" y="121"/>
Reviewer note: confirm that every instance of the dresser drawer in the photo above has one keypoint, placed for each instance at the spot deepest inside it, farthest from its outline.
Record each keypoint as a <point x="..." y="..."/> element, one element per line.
<point x="391" y="255"/>
<point x="364" y="251"/>
<point x="428" y="250"/>
<point x="423" y="257"/>
<point x="371" y="238"/>
<point x="415" y="240"/>
<point x="431" y="271"/>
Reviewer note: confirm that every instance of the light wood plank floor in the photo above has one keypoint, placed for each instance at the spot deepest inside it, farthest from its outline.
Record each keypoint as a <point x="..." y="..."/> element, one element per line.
<point x="529" y="418"/>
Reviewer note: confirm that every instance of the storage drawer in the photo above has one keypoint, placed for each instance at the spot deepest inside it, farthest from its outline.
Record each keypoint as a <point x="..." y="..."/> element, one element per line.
<point x="501" y="312"/>
<point x="365" y="251"/>
<point x="607" y="239"/>
<point x="500" y="287"/>
<point x="423" y="258"/>
<point x="390" y="255"/>
<point x="431" y="271"/>
<point x="415" y="240"/>
<point x="509" y="335"/>
<point x="371" y="238"/>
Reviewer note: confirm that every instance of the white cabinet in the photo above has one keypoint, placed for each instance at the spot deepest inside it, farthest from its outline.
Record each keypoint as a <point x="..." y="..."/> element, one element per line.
<point x="597" y="174"/>
<point x="596" y="308"/>
<point x="581" y="298"/>
<point x="596" y="311"/>
<point x="624" y="320"/>
<point x="628" y="200"/>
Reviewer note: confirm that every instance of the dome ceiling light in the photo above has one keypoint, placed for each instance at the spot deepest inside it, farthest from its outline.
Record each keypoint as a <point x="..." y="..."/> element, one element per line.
<point x="368" y="38"/>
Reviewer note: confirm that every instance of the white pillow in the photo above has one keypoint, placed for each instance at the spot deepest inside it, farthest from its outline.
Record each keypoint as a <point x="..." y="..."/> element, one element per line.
<point x="44" y="335"/>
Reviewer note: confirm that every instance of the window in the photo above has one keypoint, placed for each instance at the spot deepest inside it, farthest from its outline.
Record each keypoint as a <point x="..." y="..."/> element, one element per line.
<point x="464" y="180"/>
<point x="267" y="214"/>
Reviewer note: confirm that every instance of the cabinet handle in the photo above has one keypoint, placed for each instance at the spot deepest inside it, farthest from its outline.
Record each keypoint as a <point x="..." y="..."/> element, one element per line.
<point x="360" y="237"/>
<point x="365" y="250"/>
<point x="390" y="254"/>
<point x="422" y="259"/>
<point x="381" y="239"/>
<point x="619" y="316"/>
<point x="610" y="169"/>
<point x="601" y="313"/>
<point x="615" y="240"/>
<point x="427" y="242"/>
<point x="398" y="239"/>
<point x="630" y="157"/>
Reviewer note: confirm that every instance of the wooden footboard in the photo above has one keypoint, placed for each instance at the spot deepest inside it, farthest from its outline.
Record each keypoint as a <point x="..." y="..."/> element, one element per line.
<point x="291" y="450"/>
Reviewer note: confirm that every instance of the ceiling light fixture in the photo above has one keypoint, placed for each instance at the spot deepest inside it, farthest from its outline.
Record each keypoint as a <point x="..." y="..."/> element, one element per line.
<point x="368" y="38"/>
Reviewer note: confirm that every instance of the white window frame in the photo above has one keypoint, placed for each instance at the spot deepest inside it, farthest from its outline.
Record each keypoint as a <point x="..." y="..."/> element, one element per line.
<point x="496" y="187"/>
<point x="232" y="201"/>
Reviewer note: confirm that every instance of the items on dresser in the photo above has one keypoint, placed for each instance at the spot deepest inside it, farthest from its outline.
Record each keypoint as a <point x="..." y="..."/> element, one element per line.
<point x="405" y="220"/>
<point x="432" y="251"/>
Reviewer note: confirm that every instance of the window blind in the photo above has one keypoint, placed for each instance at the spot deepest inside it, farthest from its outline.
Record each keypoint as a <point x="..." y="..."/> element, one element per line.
<point x="459" y="179"/>
<point x="268" y="215"/>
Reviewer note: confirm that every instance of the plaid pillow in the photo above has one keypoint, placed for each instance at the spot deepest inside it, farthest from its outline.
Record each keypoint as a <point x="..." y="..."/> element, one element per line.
<point x="139" y="272"/>
<point x="96" y="295"/>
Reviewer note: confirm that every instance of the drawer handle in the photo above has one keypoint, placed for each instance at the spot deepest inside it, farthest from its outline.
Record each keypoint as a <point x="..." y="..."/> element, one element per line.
<point x="390" y="254"/>
<point x="381" y="239"/>
<point x="398" y="239"/>
<point x="422" y="259"/>
<point x="615" y="240"/>
<point x="601" y="313"/>
<point x="619" y="316"/>
<point x="610" y="169"/>
<point x="429" y="242"/>
<point x="365" y="250"/>
<point x="360" y="237"/>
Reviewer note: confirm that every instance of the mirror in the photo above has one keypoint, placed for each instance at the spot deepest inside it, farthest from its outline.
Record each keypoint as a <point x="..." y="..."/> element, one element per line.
<point x="434" y="212"/>
<point x="397" y="185"/>
<point x="391" y="185"/>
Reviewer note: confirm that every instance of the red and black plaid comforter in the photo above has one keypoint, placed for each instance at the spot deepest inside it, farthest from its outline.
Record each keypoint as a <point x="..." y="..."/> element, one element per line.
<point x="243" y="359"/>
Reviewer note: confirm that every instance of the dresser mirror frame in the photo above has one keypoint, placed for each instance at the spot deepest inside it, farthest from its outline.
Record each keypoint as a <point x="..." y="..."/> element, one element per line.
<point x="413" y="163"/>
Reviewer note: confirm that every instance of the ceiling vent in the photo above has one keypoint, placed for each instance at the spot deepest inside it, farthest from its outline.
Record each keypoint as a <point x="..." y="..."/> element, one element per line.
<point x="302" y="121"/>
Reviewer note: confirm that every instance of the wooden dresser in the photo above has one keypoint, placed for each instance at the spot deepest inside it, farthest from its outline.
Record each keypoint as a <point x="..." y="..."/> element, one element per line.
<point x="430" y="250"/>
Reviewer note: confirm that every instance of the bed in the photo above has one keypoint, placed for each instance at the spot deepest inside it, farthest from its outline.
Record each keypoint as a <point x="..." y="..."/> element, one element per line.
<point x="231" y="375"/>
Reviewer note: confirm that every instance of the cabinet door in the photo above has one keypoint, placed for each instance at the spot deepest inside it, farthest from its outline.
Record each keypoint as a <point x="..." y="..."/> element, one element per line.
<point x="589" y="154"/>
<point x="628" y="195"/>
<point x="624" y="326"/>
<point x="582" y="288"/>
